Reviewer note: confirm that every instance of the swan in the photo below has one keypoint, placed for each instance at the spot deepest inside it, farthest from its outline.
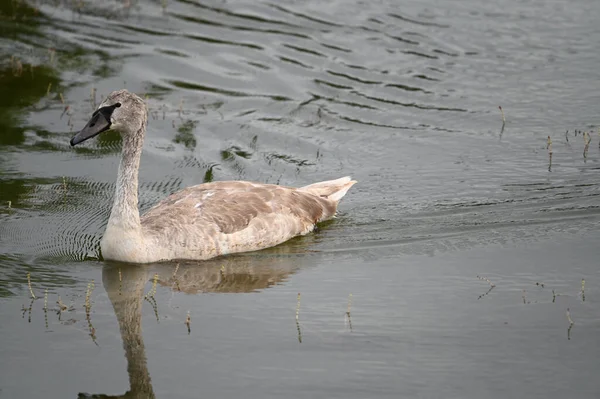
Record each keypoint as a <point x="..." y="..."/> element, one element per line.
<point x="203" y="221"/>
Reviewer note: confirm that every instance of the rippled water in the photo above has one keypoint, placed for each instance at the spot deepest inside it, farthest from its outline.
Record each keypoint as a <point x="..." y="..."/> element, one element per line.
<point x="404" y="97"/>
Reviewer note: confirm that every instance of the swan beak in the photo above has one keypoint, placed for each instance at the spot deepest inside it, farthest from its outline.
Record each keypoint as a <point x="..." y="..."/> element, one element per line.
<point x="96" y="125"/>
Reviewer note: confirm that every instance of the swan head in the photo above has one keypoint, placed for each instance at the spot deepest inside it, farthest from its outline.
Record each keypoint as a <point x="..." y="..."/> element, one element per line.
<point x="122" y="111"/>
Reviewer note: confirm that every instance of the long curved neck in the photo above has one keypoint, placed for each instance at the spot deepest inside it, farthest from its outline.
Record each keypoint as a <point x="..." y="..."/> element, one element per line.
<point x="125" y="213"/>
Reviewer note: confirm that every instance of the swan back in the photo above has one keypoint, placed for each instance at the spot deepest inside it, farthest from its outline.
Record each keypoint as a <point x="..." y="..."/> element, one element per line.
<point x="219" y="218"/>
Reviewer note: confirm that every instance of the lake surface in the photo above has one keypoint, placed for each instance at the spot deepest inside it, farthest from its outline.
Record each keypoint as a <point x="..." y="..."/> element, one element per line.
<point x="464" y="264"/>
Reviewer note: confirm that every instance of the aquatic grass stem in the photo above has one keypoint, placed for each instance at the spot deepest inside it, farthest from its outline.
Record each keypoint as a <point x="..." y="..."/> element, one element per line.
<point x="492" y="285"/>
<point x="152" y="291"/>
<point x="297" y="319"/>
<point x="175" y="278"/>
<point x="571" y="323"/>
<point x="88" y="294"/>
<point x="46" y="307"/>
<point x="88" y="308"/>
<point x="150" y="297"/>
<point x="93" y="97"/>
<point x="549" y="148"/>
<point x="29" y="285"/>
<point x="188" y="322"/>
<point x="348" y="312"/>
<point x="587" y="139"/>
<point x="61" y="306"/>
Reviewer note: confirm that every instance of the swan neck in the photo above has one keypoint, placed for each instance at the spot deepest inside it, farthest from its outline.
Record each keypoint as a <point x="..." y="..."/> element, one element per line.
<point x="125" y="213"/>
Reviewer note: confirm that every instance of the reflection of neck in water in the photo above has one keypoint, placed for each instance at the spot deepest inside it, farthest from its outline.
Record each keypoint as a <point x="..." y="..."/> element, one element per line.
<point x="125" y="284"/>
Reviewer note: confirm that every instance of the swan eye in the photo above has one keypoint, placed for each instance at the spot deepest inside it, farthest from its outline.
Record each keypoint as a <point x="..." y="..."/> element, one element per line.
<point x="118" y="105"/>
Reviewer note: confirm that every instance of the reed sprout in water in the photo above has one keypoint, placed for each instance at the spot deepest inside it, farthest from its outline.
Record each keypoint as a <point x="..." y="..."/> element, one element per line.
<point x="586" y="141"/>
<point x="175" y="278"/>
<point x="88" y="294"/>
<point x="61" y="306"/>
<point x="571" y="323"/>
<point x="297" y="319"/>
<point x="46" y="307"/>
<point x="29" y="285"/>
<point x="152" y="291"/>
<point x="298" y="307"/>
<point x="28" y="310"/>
<point x="93" y="97"/>
<point x="492" y="286"/>
<point x="583" y="289"/>
<point x="348" y="312"/>
<point x="188" y="322"/>
<point x="150" y="296"/>
<point x="88" y="308"/>
<point x="503" y="121"/>
<point x="549" y="147"/>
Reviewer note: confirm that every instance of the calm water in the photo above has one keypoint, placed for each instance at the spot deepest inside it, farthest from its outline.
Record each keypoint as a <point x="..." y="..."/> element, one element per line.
<point x="454" y="268"/>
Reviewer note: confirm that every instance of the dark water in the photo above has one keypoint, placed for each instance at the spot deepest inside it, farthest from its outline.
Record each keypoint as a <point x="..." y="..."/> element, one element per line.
<point x="453" y="270"/>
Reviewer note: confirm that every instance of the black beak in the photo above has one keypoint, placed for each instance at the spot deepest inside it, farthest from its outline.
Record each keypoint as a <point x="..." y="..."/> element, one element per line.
<point x="100" y="122"/>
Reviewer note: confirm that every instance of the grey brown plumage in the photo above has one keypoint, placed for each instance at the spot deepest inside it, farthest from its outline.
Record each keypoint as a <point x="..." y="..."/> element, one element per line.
<point x="203" y="221"/>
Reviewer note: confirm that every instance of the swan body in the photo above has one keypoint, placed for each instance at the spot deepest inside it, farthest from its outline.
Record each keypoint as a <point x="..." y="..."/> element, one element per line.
<point x="203" y="221"/>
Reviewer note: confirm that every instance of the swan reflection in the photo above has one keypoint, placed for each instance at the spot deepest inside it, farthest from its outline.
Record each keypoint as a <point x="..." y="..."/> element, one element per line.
<point x="125" y="285"/>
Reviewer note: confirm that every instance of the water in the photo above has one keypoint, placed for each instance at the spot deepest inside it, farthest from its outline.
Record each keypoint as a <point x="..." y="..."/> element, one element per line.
<point x="403" y="97"/>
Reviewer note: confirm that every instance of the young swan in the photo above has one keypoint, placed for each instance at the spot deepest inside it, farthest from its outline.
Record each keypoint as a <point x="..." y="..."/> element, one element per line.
<point x="203" y="221"/>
